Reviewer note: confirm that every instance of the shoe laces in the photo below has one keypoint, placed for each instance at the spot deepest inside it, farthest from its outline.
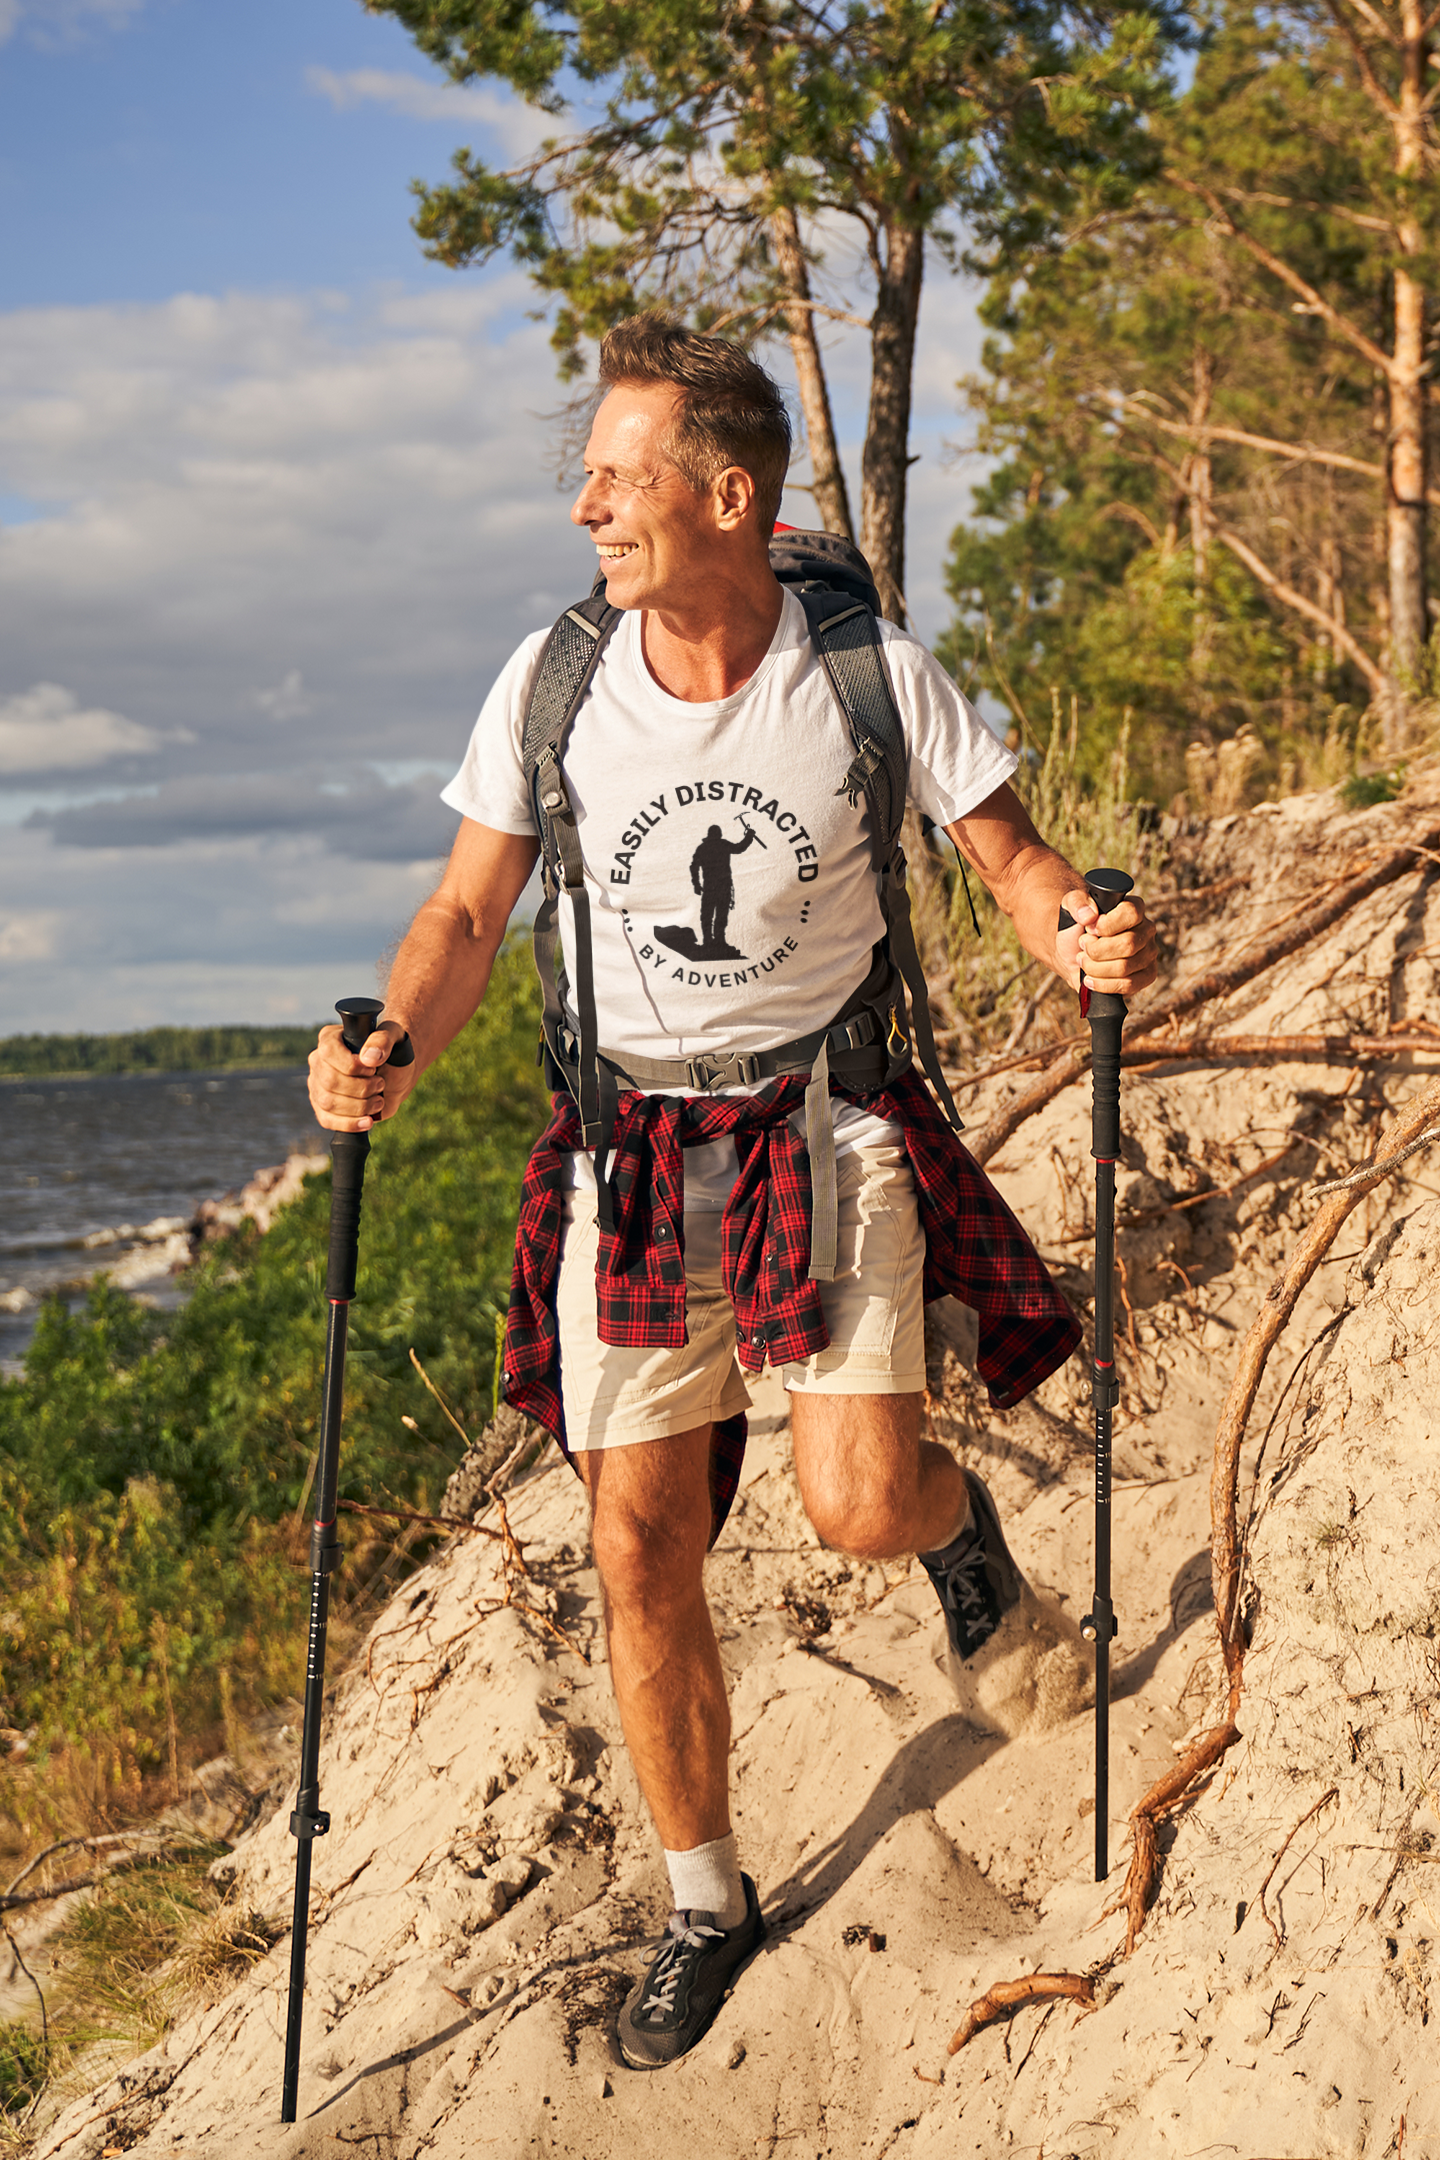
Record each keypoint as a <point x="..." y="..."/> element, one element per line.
<point x="670" y="1966"/>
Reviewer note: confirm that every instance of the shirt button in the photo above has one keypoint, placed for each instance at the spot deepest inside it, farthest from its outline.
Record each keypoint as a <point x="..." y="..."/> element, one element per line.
<point x="662" y="1232"/>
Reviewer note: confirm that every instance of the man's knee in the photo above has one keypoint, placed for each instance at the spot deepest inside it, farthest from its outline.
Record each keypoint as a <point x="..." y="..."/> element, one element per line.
<point x="645" y="1562"/>
<point x="868" y="1525"/>
<point x="859" y="1462"/>
<point x="650" y="1524"/>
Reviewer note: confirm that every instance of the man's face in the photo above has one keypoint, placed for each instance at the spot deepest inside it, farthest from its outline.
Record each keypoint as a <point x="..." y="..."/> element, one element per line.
<point x="651" y="530"/>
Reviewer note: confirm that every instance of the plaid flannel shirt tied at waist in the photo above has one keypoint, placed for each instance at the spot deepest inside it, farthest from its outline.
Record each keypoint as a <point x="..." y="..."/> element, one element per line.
<point x="975" y="1249"/>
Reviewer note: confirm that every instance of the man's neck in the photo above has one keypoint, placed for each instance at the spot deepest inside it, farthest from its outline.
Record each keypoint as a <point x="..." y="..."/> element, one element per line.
<point x="701" y="660"/>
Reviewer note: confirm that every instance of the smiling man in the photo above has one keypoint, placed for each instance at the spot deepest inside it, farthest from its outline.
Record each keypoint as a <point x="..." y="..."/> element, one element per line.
<point x="742" y="1168"/>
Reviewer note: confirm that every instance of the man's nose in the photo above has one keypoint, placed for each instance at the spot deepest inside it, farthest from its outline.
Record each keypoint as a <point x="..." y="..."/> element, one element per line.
<point x="583" y="510"/>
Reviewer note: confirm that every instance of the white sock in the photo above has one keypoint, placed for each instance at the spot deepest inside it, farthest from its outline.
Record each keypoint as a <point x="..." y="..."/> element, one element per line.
<point x="707" y="1879"/>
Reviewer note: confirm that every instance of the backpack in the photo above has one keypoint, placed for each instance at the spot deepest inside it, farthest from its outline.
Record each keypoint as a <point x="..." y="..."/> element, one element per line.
<point x="869" y="1042"/>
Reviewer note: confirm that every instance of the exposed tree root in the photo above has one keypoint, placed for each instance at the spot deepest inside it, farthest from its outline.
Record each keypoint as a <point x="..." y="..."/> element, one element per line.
<point x="1336" y="1049"/>
<point x="1179" y="1784"/>
<point x="1265" y="1331"/>
<point x="1010" y="1995"/>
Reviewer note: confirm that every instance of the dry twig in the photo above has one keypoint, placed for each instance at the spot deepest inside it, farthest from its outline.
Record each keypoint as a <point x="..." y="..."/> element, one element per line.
<point x="1007" y="1995"/>
<point x="1333" y="1794"/>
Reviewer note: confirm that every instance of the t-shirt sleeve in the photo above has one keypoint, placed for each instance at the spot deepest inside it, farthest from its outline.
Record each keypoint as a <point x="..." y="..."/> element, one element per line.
<point x="490" y="785"/>
<point x="955" y="760"/>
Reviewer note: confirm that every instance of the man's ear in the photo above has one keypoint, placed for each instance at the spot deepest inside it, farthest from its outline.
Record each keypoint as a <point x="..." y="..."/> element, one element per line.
<point x="734" y="498"/>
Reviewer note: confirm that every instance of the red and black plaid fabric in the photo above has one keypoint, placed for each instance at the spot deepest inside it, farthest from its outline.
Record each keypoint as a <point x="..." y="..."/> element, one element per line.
<point x="975" y="1250"/>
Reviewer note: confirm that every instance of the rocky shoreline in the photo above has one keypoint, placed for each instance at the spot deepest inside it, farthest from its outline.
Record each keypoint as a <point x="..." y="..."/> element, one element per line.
<point x="153" y="1252"/>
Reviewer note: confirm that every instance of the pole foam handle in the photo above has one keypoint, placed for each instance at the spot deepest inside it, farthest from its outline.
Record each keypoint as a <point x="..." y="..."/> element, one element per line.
<point x="348" y="1151"/>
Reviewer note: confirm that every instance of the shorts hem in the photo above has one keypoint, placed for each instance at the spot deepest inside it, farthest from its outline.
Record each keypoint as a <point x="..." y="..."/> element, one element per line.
<point x="849" y="1380"/>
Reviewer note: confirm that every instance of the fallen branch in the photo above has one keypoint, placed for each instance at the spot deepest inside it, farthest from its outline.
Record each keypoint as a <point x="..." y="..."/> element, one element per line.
<point x="1338" y="1049"/>
<point x="120" y="1866"/>
<point x="1333" y="1794"/>
<point x="1376" y="1170"/>
<point x="1009" y="1995"/>
<point x="1204" y="989"/>
<point x="429" y="1522"/>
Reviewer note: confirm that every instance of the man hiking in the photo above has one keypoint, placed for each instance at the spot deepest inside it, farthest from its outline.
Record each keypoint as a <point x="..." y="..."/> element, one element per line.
<point x="711" y="877"/>
<point x="742" y="1169"/>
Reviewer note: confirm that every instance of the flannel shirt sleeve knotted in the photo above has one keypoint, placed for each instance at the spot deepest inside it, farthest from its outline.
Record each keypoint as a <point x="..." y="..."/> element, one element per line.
<point x="975" y="1249"/>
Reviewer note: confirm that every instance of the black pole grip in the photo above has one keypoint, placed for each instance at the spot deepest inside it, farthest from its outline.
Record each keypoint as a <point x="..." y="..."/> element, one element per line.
<point x="358" y="1016"/>
<point x="348" y="1151"/>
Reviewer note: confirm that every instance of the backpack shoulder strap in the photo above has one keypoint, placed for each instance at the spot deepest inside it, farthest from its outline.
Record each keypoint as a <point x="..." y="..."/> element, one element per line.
<point x="568" y="661"/>
<point x="847" y="637"/>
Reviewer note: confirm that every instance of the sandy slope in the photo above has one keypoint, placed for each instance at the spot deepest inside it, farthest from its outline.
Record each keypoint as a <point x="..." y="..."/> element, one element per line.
<point x="486" y="1894"/>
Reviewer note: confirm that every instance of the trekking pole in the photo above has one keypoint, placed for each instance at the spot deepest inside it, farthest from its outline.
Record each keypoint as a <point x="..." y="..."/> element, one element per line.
<point x="309" y="1820"/>
<point x="1106" y="1015"/>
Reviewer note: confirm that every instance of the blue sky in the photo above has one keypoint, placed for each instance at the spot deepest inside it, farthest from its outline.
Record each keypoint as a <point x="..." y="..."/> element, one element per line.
<point x="277" y="497"/>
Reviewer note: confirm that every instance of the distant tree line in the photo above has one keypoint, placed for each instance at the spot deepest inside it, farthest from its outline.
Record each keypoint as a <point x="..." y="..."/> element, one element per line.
<point x="161" y="1049"/>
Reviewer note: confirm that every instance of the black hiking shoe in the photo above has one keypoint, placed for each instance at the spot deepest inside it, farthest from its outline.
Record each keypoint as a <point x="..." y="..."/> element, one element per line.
<point x="691" y="1975"/>
<point x="975" y="1578"/>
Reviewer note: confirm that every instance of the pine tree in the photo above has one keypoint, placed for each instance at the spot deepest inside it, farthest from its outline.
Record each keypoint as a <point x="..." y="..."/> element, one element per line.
<point x="717" y="153"/>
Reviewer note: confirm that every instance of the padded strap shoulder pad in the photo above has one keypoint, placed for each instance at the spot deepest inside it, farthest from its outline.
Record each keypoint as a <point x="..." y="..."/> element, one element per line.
<point x="848" y="640"/>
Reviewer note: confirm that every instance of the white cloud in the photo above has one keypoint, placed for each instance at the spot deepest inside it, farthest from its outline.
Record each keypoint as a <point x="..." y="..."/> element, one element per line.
<point x="417" y="97"/>
<point x="289" y="700"/>
<point x="61" y="22"/>
<point x="45" y="729"/>
<point x="29" y="936"/>
<point x="252" y="501"/>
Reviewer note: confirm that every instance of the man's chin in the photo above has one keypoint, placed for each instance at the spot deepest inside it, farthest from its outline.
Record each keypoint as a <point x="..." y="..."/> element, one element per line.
<point x="625" y="582"/>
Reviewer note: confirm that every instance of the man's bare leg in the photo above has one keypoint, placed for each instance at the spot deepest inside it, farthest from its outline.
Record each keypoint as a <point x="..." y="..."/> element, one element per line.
<point x="651" y="1504"/>
<point x="870" y="1484"/>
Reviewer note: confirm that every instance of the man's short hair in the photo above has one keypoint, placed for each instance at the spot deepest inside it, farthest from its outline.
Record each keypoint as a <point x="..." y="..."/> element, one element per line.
<point x="731" y="412"/>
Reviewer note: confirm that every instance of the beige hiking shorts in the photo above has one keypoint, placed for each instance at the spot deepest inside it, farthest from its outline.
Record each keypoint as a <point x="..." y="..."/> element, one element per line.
<point x="873" y="1309"/>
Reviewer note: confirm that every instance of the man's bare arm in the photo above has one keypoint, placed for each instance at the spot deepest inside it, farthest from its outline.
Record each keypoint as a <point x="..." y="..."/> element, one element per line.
<point x="1032" y="883"/>
<point x="439" y="978"/>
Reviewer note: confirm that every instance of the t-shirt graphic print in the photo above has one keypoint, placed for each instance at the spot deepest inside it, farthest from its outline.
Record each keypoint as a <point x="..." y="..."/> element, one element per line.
<point x="731" y="887"/>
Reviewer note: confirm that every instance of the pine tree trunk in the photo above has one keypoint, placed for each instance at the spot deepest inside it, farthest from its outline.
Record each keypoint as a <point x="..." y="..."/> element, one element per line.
<point x="1405" y="504"/>
<point x="1199" y="486"/>
<point x="884" y="466"/>
<point x="832" y="501"/>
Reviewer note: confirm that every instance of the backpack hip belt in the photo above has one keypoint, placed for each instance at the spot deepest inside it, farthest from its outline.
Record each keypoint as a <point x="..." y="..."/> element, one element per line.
<point x="866" y="1047"/>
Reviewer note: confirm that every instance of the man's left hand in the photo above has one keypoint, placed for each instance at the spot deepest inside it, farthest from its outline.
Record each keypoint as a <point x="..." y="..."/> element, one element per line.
<point x="1115" y="952"/>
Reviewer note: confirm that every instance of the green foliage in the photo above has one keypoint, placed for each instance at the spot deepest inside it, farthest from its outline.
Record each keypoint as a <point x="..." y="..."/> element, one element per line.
<point x="24" y="2067"/>
<point x="1363" y="790"/>
<point x="1121" y="550"/>
<point x="161" y="1049"/>
<point x="155" y="1468"/>
<point x="996" y="985"/>
<point x="692" y="126"/>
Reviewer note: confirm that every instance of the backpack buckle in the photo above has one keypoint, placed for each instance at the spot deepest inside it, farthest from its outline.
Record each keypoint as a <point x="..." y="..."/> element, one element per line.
<point x="733" y="1069"/>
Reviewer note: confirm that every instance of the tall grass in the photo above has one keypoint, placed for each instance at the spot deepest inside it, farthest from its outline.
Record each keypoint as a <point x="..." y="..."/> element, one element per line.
<point x="997" y="995"/>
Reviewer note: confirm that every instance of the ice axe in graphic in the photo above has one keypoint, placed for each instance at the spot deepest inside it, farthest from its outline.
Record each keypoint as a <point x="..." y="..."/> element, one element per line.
<point x="750" y="829"/>
<point x="1106" y="1015"/>
<point x="348" y="1151"/>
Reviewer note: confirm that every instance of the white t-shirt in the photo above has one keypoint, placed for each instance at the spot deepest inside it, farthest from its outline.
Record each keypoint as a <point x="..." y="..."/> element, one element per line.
<point x="732" y="895"/>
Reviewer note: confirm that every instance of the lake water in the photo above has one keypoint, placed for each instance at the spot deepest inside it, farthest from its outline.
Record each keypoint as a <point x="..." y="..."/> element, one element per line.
<point x="89" y="1154"/>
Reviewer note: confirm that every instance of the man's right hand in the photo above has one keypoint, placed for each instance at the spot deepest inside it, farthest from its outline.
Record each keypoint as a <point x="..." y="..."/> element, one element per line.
<point x="351" y="1093"/>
